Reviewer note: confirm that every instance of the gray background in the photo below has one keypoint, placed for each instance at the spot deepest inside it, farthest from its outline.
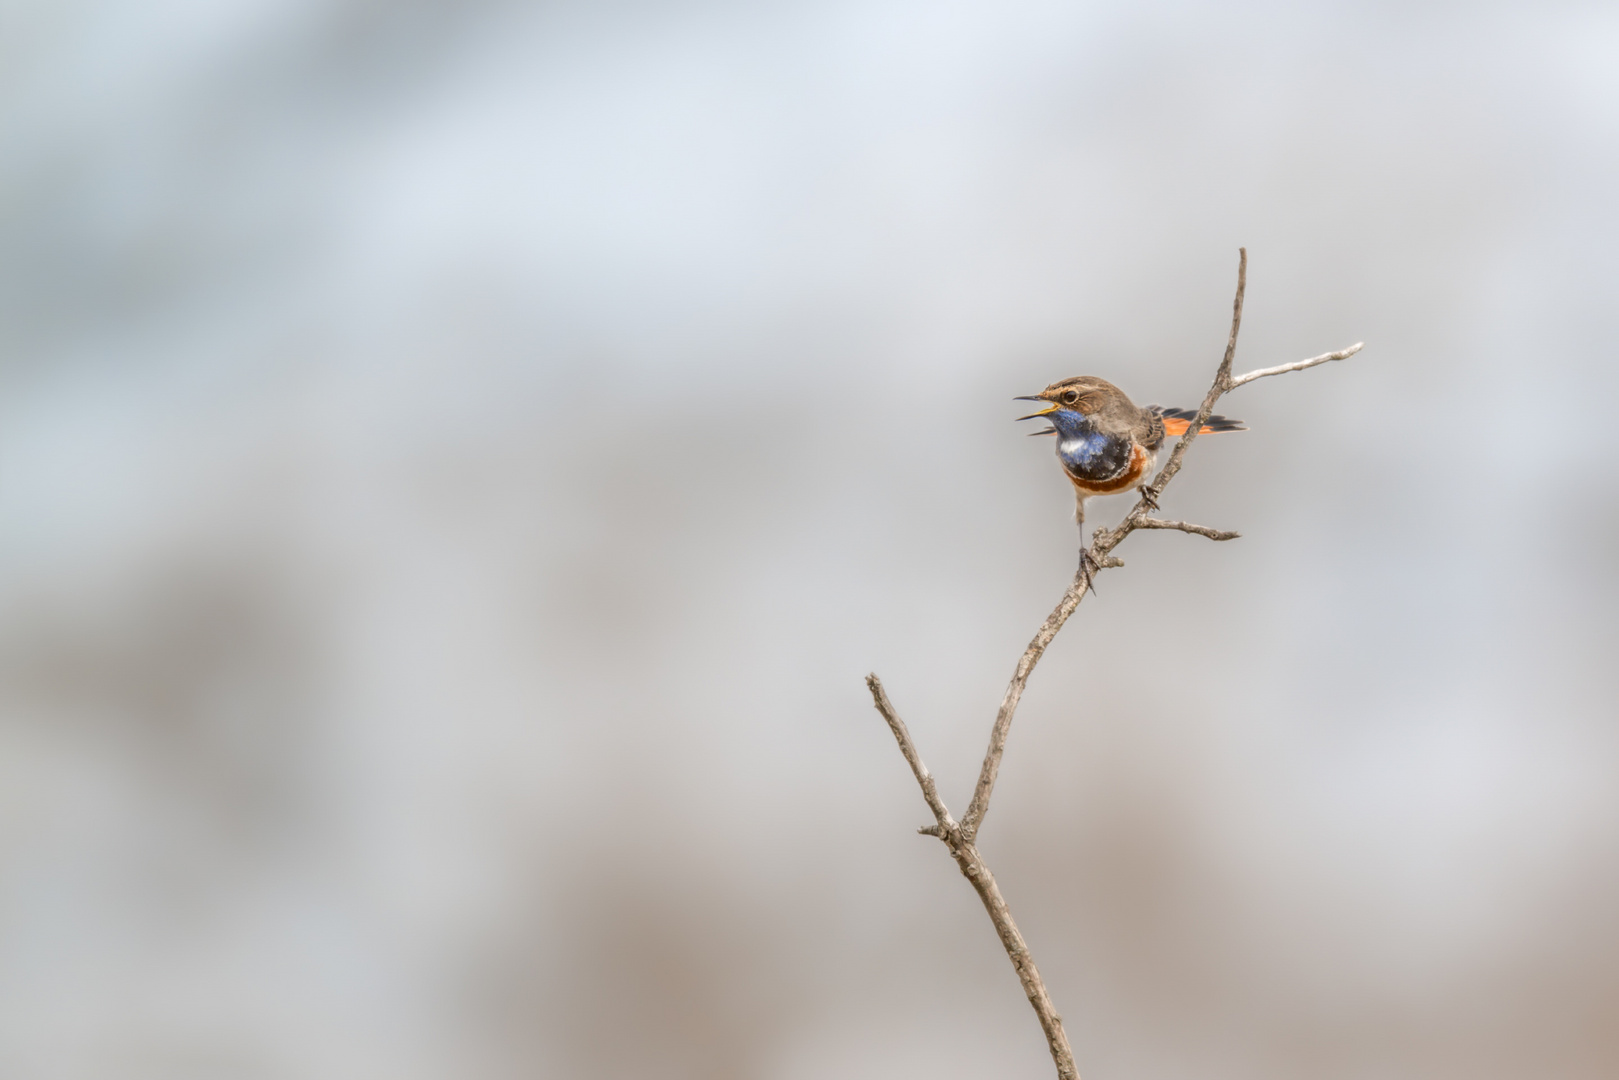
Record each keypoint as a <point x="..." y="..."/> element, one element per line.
<point x="457" y="462"/>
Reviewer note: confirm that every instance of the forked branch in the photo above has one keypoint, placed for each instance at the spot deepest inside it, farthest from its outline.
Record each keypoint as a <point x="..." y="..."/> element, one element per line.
<point x="973" y="868"/>
<point x="961" y="839"/>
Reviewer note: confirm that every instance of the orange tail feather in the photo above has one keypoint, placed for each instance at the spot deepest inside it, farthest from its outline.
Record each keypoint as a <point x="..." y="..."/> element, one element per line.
<point x="1176" y="421"/>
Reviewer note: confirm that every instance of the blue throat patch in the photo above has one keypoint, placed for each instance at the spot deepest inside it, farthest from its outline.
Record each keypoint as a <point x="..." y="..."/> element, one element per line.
<point x="1085" y="452"/>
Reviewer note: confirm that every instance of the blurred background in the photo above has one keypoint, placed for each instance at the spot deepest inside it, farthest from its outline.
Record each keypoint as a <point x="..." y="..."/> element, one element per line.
<point x="459" y="460"/>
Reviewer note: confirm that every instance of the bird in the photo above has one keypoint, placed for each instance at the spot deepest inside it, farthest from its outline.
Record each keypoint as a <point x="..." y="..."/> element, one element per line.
<point x="1107" y="445"/>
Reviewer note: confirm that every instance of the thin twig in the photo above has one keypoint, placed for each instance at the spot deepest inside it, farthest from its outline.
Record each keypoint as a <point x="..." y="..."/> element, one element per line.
<point x="1185" y="526"/>
<point x="961" y="840"/>
<point x="1283" y="369"/>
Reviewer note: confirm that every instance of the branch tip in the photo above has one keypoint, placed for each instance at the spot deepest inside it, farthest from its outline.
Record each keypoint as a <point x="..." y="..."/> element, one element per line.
<point x="1283" y="369"/>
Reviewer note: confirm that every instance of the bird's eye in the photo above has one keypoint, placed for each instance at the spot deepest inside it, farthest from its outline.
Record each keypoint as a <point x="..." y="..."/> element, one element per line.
<point x="1071" y="398"/>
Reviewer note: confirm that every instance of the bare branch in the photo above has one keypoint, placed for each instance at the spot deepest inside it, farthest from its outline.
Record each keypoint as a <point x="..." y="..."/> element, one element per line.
<point x="1185" y="526"/>
<point x="930" y="790"/>
<point x="973" y="867"/>
<point x="1101" y="548"/>
<point x="1283" y="369"/>
<point x="961" y="840"/>
<point x="1034" y="987"/>
<point x="1222" y="378"/>
<point x="1014" y="693"/>
<point x="1224" y="374"/>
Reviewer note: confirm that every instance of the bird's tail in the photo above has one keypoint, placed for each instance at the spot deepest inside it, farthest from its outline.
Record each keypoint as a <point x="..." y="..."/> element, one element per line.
<point x="1176" y="421"/>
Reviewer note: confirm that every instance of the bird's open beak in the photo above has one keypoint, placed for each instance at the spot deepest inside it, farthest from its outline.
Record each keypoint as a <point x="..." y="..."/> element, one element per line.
<point x="1031" y="397"/>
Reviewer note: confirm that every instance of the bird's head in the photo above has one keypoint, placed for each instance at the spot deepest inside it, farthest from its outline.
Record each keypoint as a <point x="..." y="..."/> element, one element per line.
<point x="1076" y="401"/>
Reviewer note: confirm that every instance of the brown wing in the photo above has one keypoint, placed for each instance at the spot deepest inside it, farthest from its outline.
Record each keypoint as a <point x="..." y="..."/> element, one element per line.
<point x="1150" y="429"/>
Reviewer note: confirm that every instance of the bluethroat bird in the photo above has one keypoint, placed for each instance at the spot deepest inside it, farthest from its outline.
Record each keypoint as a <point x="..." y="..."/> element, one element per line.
<point x="1107" y="445"/>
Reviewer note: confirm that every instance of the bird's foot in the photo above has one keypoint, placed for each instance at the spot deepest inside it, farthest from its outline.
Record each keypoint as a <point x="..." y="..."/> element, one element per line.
<point x="1088" y="566"/>
<point x="1148" y="497"/>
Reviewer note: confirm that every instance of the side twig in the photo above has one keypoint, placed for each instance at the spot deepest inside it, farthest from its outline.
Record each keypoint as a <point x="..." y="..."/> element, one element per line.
<point x="961" y="839"/>
<point x="1185" y="526"/>
<point x="930" y="791"/>
<point x="1283" y="369"/>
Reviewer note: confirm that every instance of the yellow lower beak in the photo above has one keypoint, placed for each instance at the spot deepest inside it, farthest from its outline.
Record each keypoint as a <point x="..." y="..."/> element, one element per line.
<point x="1043" y="412"/>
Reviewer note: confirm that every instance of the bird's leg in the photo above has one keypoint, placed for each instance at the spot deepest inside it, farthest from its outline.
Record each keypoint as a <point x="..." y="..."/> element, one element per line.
<point x="1147" y="496"/>
<point x="1087" y="564"/>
